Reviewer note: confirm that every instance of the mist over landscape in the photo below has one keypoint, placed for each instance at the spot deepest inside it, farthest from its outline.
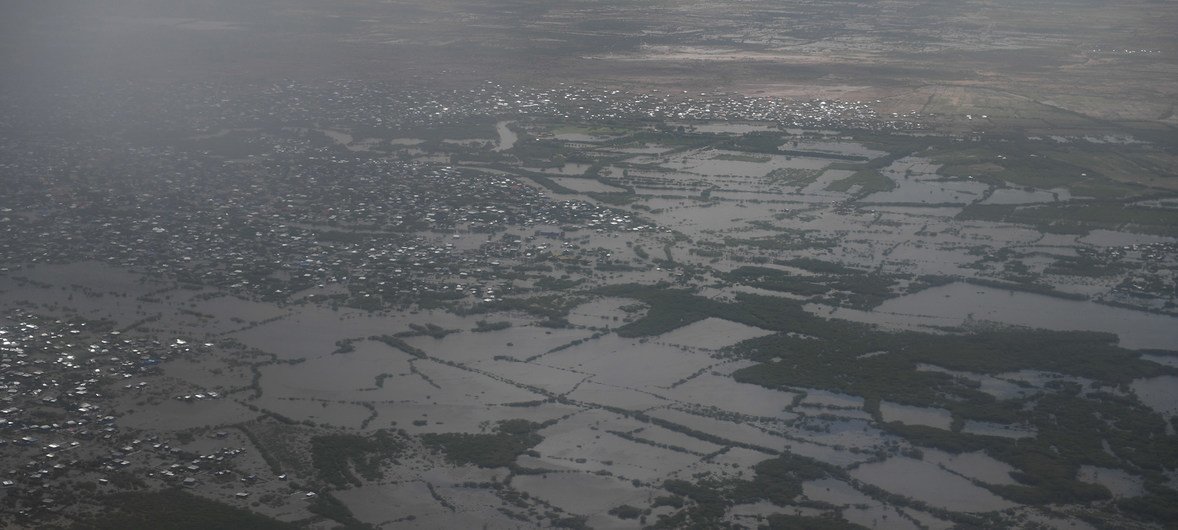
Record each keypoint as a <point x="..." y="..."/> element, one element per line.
<point x="588" y="264"/>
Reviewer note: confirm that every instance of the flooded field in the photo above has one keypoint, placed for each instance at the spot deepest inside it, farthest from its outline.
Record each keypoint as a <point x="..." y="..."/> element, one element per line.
<point x="711" y="334"/>
<point x="930" y="482"/>
<point x="938" y="418"/>
<point x="974" y="466"/>
<point x="507" y="137"/>
<point x="514" y="321"/>
<point x="954" y="304"/>
<point x="1159" y="394"/>
<point x="715" y="163"/>
<point x="586" y="185"/>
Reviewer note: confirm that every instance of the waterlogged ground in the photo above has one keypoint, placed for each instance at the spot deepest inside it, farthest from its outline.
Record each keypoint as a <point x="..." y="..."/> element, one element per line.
<point x="624" y="401"/>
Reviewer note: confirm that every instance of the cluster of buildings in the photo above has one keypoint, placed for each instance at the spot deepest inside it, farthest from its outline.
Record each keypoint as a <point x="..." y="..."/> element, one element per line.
<point x="375" y="105"/>
<point x="275" y="227"/>
<point x="62" y="385"/>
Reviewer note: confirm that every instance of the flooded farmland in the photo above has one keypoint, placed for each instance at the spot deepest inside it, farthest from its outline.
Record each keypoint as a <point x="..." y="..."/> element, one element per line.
<point x="520" y="319"/>
<point x="956" y="303"/>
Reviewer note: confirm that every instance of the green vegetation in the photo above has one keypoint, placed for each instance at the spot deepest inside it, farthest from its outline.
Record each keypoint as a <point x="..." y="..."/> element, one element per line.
<point x="869" y="181"/>
<point x="673" y="308"/>
<point x="177" y="510"/>
<point x="1159" y="503"/>
<point x="741" y="158"/>
<point x="780" y="521"/>
<point x="625" y="511"/>
<point x="549" y="184"/>
<point x="835" y="360"/>
<point x="549" y="283"/>
<point x="399" y="344"/>
<point x="1026" y="287"/>
<point x="670" y="309"/>
<point x="1071" y="425"/>
<point x="1083" y="265"/>
<point x="785" y="241"/>
<point x="778" y="480"/>
<point x="793" y="176"/>
<point x="273" y="463"/>
<point x="818" y="266"/>
<point x="858" y="289"/>
<point x="771" y="142"/>
<point x="431" y="330"/>
<point x="336" y="456"/>
<point x="326" y="505"/>
<point x="613" y="198"/>
<point x="775" y="280"/>
<point x="1091" y="170"/>
<point x="483" y="326"/>
<point x="591" y="129"/>
<point x="551" y="307"/>
<point x="511" y="439"/>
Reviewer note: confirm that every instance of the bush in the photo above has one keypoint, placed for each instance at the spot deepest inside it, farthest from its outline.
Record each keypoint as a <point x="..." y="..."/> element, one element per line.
<point x="625" y="511"/>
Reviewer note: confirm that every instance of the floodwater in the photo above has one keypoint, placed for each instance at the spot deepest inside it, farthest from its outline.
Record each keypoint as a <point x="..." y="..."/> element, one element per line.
<point x="999" y="388"/>
<point x="1109" y="238"/>
<point x="518" y="341"/>
<point x="909" y="415"/>
<point x="956" y="303"/>
<point x="740" y="432"/>
<point x="173" y="415"/>
<point x="711" y="334"/>
<point x="733" y="127"/>
<point x="1120" y="483"/>
<point x="1027" y="196"/>
<point x="1166" y="360"/>
<point x="912" y="190"/>
<point x="818" y="187"/>
<point x="582" y="137"/>
<point x="629" y="363"/>
<point x="1160" y="394"/>
<point x="917" y="182"/>
<point x="599" y="312"/>
<point x="582" y="492"/>
<point x="930" y="483"/>
<point x="348" y="141"/>
<point x="704" y="163"/>
<point x="986" y="428"/>
<point x="725" y="393"/>
<point x="340" y="137"/>
<point x="977" y="466"/>
<point x="841" y="148"/>
<point x="827" y="398"/>
<point x="507" y="137"/>
<point x="568" y="169"/>
<point x="860" y="508"/>
<point x="586" y="185"/>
